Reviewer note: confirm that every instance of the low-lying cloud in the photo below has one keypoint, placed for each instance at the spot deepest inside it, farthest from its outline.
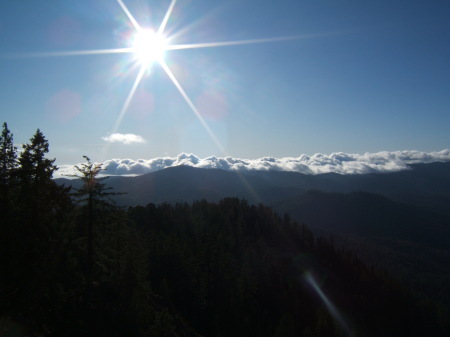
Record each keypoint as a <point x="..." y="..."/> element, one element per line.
<point x="339" y="162"/>
<point x="127" y="138"/>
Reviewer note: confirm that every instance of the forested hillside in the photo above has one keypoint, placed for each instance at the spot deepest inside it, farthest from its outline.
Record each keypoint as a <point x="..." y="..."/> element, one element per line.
<point x="235" y="269"/>
<point x="423" y="185"/>
<point x="399" y="221"/>
<point x="74" y="264"/>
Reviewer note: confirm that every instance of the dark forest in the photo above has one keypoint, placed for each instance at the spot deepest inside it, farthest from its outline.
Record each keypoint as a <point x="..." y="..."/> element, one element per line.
<point x="72" y="263"/>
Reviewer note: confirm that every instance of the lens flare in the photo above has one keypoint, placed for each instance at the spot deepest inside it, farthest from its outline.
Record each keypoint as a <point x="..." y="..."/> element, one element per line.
<point x="310" y="279"/>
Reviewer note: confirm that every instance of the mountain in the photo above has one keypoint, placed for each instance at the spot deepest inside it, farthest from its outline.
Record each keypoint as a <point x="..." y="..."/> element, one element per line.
<point x="367" y="214"/>
<point x="399" y="221"/>
<point x="235" y="269"/>
<point x="426" y="185"/>
<point x="187" y="184"/>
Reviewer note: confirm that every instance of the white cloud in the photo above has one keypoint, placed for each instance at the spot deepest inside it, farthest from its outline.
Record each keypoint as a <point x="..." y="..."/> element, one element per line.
<point x="127" y="138"/>
<point x="339" y="162"/>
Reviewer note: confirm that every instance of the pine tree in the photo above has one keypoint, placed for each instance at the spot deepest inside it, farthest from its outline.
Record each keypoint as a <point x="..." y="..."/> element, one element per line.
<point x="8" y="156"/>
<point x="39" y="196"/>
<point x="39" y="212"/>
<point x="93" y="196"/>
<point x="35" y="168"/>
<point x="8" y="165"/>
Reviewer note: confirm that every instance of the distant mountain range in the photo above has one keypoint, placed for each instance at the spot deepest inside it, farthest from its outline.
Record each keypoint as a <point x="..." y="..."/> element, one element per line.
<point x="396" y="204"/>
<point x="319" y="163"/>
<point x="425" y="185"/>
<point x="398" y="220"/>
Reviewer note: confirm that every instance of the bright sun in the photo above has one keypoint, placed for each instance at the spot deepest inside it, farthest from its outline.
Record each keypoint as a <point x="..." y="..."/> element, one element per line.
<point x="149" y="46"/>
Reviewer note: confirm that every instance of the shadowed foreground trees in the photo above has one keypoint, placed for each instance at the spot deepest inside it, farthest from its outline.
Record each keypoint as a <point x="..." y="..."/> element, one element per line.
<point x="32" y="224"/>
<point x="47" y="285"/>
<point x="93" y="197"/>
<point x="234" y="269"/>
<point x="73" y="264"/>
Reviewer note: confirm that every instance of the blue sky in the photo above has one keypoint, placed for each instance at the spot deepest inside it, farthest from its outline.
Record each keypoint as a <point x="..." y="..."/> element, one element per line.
<point x="361" y="77"/>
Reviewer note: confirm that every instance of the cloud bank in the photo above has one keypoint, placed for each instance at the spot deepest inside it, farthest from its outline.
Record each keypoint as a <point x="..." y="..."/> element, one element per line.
<point x="339" y="162"/>
<point x="127" y="138"/>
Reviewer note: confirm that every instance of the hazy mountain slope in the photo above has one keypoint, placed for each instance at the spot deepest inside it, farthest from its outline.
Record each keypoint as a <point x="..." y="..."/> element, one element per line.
<point x="235" y="269"/>
<point x="187" y="184"/>
<point x="427" y="185"/>
<point x="423" y="178"/>
<point x="411" y="242"/>
<point x="401" y="221"/>
<point x="367" y="214"/>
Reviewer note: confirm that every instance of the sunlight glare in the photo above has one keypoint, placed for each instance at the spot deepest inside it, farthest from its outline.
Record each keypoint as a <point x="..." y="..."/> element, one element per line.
<point x="149" y="46"/>
<point x="192" y="106"/>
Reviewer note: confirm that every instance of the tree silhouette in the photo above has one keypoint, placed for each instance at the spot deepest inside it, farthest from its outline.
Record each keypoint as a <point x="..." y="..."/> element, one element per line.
<point x="36" y="216"/>
<point x="35" y="168"/>
<point x="93" y="195"/>
<point x="8" y="156"/>
<point x="8" y="164"/>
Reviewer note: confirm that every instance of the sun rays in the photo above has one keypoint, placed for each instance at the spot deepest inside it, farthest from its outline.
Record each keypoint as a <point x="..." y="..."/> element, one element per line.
<point x="192" y="106"/>
<point x="148" y="47"/>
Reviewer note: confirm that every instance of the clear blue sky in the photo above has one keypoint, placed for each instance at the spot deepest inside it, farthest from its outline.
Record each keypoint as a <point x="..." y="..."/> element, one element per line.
<point x="364" y="76"/>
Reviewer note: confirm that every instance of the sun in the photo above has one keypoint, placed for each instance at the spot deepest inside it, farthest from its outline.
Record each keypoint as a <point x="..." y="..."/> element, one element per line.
<point x="149" y="46"/>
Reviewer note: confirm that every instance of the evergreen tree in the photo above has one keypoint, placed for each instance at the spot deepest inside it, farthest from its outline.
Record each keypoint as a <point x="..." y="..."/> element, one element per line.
<point x="38" y="214"/>
<point x="93" y="195"/>
<point x="8" y="156"/>
<point x="39" y="196"/>
<point x="8" y="164"/>
<point x="35" y="168"/>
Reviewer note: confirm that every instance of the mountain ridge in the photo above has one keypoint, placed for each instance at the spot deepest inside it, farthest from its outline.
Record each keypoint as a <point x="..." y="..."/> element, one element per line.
<point x="398" y="220"/>
<point x="425" y="185"/>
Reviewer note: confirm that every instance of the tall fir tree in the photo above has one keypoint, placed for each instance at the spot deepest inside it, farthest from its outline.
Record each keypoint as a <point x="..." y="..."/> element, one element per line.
<point x="8" y="165"/>
<point x="8" y="156"/>
<point x="35" y="168"/>
<point x="40" y="210"/>
<point x="94" y="197"/>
